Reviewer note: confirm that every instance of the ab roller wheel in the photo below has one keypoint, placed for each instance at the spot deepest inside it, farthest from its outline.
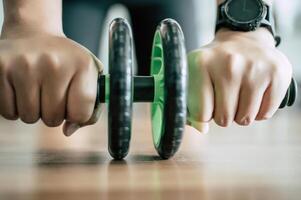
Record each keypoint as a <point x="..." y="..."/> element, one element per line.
<point x="166" y="88"/>
<point x="121" y="92"/>
<point x="169" y="69"/>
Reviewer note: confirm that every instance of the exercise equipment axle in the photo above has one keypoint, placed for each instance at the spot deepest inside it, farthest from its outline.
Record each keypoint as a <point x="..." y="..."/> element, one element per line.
<point x="143" y="87"/>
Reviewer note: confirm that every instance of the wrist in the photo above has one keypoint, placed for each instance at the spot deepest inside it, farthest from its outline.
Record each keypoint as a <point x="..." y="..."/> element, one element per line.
<point x="262" y="35"/>
<point x="14" y="31"/>
<point x="18" y="29"/>
<point x="22" y="17"/>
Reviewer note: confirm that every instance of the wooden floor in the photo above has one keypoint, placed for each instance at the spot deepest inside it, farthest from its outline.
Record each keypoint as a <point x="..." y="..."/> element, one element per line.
<point x="259" y="162"/>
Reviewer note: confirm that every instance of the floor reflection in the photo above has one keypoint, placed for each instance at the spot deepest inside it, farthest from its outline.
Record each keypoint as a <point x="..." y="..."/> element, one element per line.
<point x="59" y="157"/>
<point x="149" y="177"/>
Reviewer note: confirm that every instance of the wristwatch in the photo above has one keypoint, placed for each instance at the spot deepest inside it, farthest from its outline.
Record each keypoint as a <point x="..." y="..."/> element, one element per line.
<point x="246" y="15"/>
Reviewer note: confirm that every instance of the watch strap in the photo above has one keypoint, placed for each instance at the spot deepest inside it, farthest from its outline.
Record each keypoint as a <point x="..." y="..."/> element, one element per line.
<point x="268" y="22"/>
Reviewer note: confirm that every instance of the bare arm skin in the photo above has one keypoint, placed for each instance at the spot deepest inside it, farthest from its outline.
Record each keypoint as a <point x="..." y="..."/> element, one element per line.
<point x="43" y="74"/>
<point x="242" y="77"/>
<point x="32" y="16"/>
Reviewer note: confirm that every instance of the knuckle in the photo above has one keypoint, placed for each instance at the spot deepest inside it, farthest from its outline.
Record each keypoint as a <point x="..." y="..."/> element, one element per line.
<point x="50" y="62"/>
<point x="24" y="64"/>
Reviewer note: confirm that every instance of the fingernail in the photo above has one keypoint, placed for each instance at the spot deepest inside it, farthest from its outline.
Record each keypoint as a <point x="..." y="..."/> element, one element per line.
<point x="222" y="121"/>
<point x="71" y="128"/>
<point x="246" y="121"/>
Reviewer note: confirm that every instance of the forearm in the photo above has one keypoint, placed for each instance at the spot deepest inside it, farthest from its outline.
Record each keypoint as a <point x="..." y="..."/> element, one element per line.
<point x="33" y="15"/>
<point x="270" y="2"/>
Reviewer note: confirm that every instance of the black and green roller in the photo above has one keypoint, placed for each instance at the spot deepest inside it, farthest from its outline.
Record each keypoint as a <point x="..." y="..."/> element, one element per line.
<point x="165" y="88"/>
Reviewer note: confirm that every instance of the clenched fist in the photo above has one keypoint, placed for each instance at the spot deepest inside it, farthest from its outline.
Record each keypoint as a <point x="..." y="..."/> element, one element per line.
<point x="240" y="76"/>
<point x="49" y="77"/>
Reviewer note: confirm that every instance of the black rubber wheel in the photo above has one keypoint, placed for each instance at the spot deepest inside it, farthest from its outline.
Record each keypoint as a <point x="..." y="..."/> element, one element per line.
<point x="291" y="95"/>
<point x="285" y="100"/>
<point x="293" y="92"/>
<point x="121" y="84"/>
<point x="173" y="105"/>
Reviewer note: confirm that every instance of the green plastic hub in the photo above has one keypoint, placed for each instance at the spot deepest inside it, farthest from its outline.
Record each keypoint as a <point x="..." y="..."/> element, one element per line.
<point x="157" y="107"/>
<point x="107" y="88"/>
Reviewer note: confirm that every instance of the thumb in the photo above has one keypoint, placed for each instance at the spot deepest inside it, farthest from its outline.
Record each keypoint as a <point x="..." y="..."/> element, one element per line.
<point x="201" y="127"/>
<point x="69" y="128"/>
<point x="200" y="101"/>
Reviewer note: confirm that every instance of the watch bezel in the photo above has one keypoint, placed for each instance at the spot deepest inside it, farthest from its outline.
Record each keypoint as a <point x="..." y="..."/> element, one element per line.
<point x="247" y="25"/>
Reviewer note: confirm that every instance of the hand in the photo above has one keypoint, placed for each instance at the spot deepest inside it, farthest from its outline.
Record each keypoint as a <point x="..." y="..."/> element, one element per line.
<point x="240" y="77"/>
<point x="49" y="77"/>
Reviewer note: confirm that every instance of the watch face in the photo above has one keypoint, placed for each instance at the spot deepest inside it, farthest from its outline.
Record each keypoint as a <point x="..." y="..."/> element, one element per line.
<point x="244" y="11"/>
